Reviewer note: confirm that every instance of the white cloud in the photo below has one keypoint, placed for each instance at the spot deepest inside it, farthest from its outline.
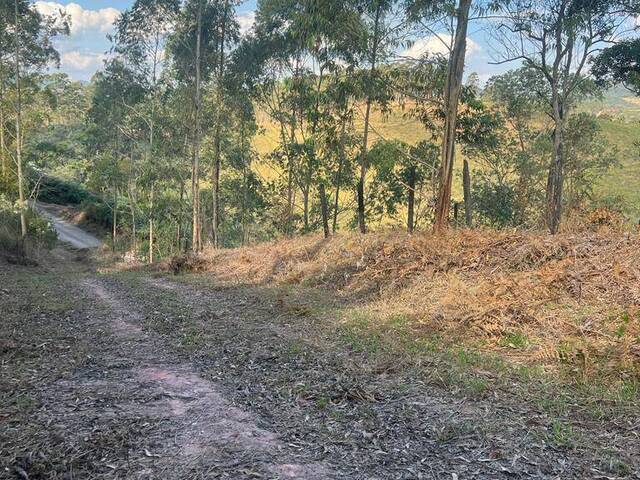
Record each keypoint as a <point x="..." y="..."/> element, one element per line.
<point x="246" y="21"/>
<point x="81" y="19"/>
<point x="76" y="61"/>
<point x="436" y="44"/>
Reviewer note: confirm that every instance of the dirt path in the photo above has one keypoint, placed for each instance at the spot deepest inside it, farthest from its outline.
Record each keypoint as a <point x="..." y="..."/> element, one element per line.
<point x="209" y="433"/>
<point x="67" y="232"/>
<point x="135" y="377"/>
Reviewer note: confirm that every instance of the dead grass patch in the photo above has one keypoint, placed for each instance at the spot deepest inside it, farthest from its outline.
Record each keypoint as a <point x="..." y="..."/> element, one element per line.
<point x="571" y="301"/>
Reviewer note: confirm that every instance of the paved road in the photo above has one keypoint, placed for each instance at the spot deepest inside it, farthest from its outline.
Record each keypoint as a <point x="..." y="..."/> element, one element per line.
<point x="67" y="232"/>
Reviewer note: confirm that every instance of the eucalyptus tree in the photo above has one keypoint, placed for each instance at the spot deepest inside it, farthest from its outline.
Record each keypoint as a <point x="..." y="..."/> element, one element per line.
<point x="383" y="23"/>
<point x="340" y="141"/>
<point x="111" y="136"/>
<point x="197" y="53"/>
<point x="25" y="48"/>
<point x="557" y="38"/>
<point x="455" y="16"/>
<point x="228" y="35"/>
<point x="301" y="46"/>
<point x="140" y="41"/>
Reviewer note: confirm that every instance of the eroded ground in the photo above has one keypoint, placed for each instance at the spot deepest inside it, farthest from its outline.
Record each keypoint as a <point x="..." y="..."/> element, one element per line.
<point x="134" y="375"/>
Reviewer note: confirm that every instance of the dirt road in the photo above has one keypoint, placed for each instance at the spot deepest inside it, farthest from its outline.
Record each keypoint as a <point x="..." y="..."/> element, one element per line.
<point x="67" y="232"/>
<point x="133" y="376"/>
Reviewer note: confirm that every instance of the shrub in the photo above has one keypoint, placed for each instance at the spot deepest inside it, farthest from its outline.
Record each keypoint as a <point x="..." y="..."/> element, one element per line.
<point x="40" y="234"/>
<point x="62" y="192"/>
<point x="98" y="213"/>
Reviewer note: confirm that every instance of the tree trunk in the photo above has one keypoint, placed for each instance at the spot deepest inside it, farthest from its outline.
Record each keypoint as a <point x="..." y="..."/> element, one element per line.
<point x="365" y="138"/>
<point x="453" y="88"/>
<point x="290" y="167"/>
<point x="3" y="158"/>
<point x="114" y="229"/>
<point x="181" y="217"/>
<point x="195" y="175"/>
<point x="245" y="201"/>
<point x="556" y="172"/>
<point x="339" y="177"/>
<point x="217" y="134"/>
<point x="325" y="210"/>
<point x="291" y="158"/>
<point x="305" y="213"/>
<point x="411" y="199"/>
<point x="132" y="212"/>
<point x="23" y="217"/>
<point x="466" y="185"/>
<point x="151" y="220"/>
<point x="134" y="246"/>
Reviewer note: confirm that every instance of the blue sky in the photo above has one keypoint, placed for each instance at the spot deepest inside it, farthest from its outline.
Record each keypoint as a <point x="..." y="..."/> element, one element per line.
<point x="82" y="53"/>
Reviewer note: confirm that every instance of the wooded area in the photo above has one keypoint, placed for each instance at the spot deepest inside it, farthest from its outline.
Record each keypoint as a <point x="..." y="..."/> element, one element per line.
<point x="160" y="146"/>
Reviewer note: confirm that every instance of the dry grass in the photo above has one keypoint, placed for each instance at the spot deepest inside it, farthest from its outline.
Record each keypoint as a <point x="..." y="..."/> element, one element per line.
<point x="572" y="300"/>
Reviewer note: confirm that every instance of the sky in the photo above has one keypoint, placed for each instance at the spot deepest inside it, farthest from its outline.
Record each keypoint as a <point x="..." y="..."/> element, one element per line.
<point x="83" y="51"/>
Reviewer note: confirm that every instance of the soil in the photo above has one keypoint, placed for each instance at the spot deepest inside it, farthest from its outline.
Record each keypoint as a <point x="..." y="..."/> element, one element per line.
<point x="130" y="375"/>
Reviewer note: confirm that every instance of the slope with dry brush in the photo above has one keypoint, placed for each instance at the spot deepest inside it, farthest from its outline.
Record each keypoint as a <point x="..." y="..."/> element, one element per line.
<point x="569" y="302"/>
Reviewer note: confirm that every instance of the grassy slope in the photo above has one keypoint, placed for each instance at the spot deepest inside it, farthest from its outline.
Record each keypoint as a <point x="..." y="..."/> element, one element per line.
<point x="623" y="180"/>
<point x="620" y="126"/>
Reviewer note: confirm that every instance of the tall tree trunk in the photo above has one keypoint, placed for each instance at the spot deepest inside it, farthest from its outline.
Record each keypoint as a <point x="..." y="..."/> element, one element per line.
<point x="290" y="168"/>
<point x="132" y="212"/>
<point x="411" y="200"/>
<point x="195" y="175"/>
<point x="3" y="158"/>
<point x="556" y="171"/>
<point x="217" y="135"/>
<point x="291" y="161"/>
<point x="114" y="226"/>
<point x="305" y="209"/>
<point x="23" y="216"/>
<point x="245" y="206"/>
<point x="151" y="221"/>
<point x="466" y="185"/>
<point x="338" y="181"/>
<point x="245" y="188"/>
<point x="367" y="116"/>
<point x="325" y="210"/>
<point x="453" y="88"/>
<point x="134" y="246"/>
<point x="311" y="160"/>
<point x="181" y="217"/>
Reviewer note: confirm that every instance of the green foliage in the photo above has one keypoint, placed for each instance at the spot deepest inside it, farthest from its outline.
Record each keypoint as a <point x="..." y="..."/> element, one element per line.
<point x="54" y="190"/>
<point x="509" y="188"/>
<point x="619" y="64"/>
<point x="494" y="202"/>
<point x="307" y="70"/>
<point x="40" y="235"/>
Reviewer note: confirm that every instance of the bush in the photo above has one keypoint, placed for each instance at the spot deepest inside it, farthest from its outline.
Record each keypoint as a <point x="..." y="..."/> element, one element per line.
<point x="54" y="190"/>
<point x="40" y="233"/>
<point x="98" y="213"/>
<point x="494" y="203"/>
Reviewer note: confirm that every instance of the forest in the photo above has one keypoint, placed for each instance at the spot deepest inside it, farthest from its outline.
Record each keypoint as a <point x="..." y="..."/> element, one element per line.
<point x="197" y="133"/>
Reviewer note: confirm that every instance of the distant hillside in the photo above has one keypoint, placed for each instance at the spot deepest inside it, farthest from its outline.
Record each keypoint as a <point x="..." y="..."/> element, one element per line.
<point x="618" y="111"/>
<point x="617" y="102"/>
